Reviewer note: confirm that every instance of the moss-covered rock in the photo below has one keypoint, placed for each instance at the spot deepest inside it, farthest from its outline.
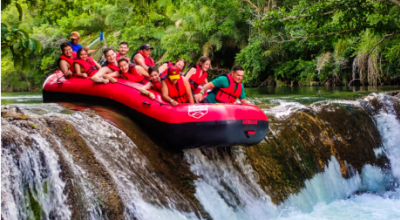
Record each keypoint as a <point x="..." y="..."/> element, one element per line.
<point x="299" y="146"/>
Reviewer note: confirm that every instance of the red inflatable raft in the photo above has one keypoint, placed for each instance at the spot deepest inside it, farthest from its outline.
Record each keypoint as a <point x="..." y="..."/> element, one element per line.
<point x="182" y="127"/>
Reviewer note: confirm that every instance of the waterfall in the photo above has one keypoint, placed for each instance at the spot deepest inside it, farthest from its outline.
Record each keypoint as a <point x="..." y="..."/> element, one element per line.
<point x="116" y="175"/>
<point x="63" y="162"/>
<point x="228" y="186"/>
<point x="30" y="180"/>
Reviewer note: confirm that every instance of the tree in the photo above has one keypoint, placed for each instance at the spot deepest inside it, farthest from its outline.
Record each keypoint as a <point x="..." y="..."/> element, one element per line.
<point x="319" y="25"/>
<point x="17" y="41"/>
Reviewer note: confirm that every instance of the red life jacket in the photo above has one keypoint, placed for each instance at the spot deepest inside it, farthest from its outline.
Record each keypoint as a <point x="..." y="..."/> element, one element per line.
<point x="170" y="64"/>
<point x="229" y="95"/>
<point x="157" y="85"/>
<point x="134" y="76"/>
<point x="196" y="80"/>
<point x="164" y="74"/>
<point x="178" y="94"/>
<point x="119" y="57"/>
<point x="70" y="60"/>
<point x="89" y="65"/>
<point x="113" y="67"/>
<point x="147" y="60"/>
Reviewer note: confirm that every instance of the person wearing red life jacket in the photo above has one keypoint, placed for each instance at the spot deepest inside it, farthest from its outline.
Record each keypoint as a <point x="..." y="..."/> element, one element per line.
<point x="180" y="63"/>
<point x="122" y="51"/>
<point x="154" y="83"/>
<point x="226" y="88"/>
<point x="107" y="73"/>
<point x="85" y="66"/>
<point x="176" y="89"/>
<point x="129" y="72"/>
<point x="142" y="57"/>
<point x="197" y="75"/>
<point x="66" y="61"/>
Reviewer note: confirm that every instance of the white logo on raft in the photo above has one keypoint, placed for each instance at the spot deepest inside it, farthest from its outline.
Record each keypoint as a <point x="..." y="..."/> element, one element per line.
<point x="197" y="111"/>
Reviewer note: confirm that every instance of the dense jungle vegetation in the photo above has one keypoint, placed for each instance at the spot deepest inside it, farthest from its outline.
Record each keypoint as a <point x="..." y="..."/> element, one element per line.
<point x="305" y="42"/>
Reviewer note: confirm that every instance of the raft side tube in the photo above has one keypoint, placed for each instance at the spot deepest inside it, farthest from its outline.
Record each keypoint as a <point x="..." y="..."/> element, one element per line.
<point x="182" y="127"/>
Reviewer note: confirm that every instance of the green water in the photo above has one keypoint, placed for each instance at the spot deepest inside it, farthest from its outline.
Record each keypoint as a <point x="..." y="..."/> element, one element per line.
<point x="307" y="95"/>
<point x="21" y="97"/>
<point x="303" y="95"/>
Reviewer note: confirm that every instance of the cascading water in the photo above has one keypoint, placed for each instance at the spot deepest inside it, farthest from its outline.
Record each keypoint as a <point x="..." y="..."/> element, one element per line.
<point x="63" y="164"/>
<point x="31" y="184"/>
<point x="228" y="186"/>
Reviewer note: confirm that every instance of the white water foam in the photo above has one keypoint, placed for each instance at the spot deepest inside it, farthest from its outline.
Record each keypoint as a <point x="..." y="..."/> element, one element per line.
<point x="324" y="187"/>
<point x="284" y="109"/>
<point x="31" y="180"/>
<point x="228" y="188"/>
<point x="326" y="196"/>
<point x="22" y="97"/>
<point x="127" y="166"/>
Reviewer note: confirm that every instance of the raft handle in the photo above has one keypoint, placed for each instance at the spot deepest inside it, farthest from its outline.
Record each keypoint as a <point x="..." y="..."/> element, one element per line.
<point x="146" y="103"/>
<point x="248" y="133"/>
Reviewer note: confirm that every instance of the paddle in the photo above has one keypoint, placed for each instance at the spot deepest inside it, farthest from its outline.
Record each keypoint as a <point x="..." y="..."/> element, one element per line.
<point x="100" y="38"/>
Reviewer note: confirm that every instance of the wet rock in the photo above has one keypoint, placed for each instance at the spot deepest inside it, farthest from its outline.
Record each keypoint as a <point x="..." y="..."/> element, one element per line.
<point x="53" y="130"/>
<point x="13" y="112"/>
<point x="299" y="146"/>
<point x="170" y="166"/>
<point x="395" y="94"/>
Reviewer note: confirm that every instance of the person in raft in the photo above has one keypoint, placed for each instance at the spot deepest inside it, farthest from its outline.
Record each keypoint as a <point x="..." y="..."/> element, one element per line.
<point x="226" y="88"/>
<point x="197" y="74"/>
<point x="154" y="83"/>
<point x="85" y="66"/>
<point x="66" y="61"/>
<point x="122" y="51"/>
<point x="176" y="89"/>
<point x="75" y="37"/>
<point x="107" y="73"/>
<point x="130" y="72"/>
<point x="180" y="63"/>
<point x="142" y="57"/>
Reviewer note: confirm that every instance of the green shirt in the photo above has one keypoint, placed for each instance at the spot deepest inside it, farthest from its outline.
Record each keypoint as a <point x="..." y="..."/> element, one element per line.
<point x="221" y="82"/>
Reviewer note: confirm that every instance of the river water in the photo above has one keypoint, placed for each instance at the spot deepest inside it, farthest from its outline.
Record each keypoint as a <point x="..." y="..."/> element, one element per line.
<point x="42" y="171"/>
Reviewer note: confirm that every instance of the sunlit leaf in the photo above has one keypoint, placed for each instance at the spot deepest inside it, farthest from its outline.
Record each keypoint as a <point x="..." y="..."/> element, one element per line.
<point x="38" y="45"/>
<point x="32" y="45"/>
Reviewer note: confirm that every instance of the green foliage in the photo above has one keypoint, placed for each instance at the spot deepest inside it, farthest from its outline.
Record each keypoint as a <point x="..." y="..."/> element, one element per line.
<point x="252" y="60"/>
<point x="296" y="70"/>
<point x="270" y="39"/>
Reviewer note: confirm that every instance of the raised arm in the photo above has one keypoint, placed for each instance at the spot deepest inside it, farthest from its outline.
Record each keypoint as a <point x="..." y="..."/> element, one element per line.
<point x="89" y="51"/>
